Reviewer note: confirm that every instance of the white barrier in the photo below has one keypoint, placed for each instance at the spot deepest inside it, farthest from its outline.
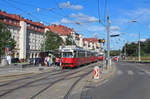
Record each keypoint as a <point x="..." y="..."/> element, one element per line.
<point x="96" y="72"/>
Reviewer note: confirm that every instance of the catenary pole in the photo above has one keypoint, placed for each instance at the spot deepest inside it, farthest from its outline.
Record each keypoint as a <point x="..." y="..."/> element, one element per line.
<point x="108" y="42"/>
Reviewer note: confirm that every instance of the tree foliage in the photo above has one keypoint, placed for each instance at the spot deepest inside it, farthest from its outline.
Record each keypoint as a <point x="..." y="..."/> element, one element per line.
<point x="5" y="39"/>
<point x="69" y="41"/>
<point x="115" y="53"/>
<point x="132" y="48"/>
<point x="52" y="41"/>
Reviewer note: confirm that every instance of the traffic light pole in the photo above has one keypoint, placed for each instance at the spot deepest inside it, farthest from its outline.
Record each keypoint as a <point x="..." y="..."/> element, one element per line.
<point x="108" y="42"/>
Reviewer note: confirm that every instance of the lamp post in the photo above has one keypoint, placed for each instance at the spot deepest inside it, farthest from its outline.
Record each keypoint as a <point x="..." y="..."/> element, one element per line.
<point x="108" y="42"/>
<point x="139" y="45"/>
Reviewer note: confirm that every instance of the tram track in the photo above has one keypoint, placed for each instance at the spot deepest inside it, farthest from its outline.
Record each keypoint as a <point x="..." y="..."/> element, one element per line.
<point x="75" y="83"/>
<point x="43" y="78"/>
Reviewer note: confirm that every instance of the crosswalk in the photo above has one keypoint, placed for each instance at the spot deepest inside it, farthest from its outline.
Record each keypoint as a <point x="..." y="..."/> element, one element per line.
<point x="131" y="72"/>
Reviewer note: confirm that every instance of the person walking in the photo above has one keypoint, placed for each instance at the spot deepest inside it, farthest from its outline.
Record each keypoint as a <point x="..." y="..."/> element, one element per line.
<point x="48" y="61"/>
<point x="51" y="60"/>
<point x="57" y="61"/>
<point x="45" y="61"/>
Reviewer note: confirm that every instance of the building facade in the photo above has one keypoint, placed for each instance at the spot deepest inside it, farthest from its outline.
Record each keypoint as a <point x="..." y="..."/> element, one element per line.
<point x="27" y="34"/>
<point x="92" y="44"/>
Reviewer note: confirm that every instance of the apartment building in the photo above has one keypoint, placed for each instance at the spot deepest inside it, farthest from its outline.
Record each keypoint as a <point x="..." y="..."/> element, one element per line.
<point x="92" y="44"/>
<point x="27" y="34"/>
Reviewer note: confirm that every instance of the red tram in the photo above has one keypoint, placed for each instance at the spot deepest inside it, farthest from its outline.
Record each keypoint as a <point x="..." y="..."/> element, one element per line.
<point x="73" y="56"/>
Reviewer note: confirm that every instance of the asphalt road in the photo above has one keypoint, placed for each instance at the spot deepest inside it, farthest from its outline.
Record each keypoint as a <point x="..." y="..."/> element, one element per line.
<point x="129" y="82"/>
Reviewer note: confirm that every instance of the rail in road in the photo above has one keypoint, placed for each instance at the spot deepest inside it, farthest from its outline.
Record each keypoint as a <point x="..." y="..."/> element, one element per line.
<point x="54" y="77"/>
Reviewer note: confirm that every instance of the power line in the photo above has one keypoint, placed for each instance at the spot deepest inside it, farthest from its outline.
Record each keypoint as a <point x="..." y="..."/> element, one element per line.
<point x="98" y="10"/>
<point x="44" y="9"/>
<point x="105" y="9"/>
<point x="19" y="9"/>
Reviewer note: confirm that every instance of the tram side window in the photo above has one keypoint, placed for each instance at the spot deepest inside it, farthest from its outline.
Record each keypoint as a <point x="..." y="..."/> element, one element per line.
<point x="67" y="54"/>
<point x="75" y="54"/>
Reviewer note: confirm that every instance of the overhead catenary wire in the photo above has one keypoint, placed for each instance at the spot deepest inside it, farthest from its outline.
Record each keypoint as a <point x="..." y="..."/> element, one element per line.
<point x="105" y="9"/>
<point x="98" y="10"/>
<point x="52" y="10"/>
<point x="19" y="9"/>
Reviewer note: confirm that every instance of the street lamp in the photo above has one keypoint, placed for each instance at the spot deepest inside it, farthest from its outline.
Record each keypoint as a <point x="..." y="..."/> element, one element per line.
<point x="139" y="47"/>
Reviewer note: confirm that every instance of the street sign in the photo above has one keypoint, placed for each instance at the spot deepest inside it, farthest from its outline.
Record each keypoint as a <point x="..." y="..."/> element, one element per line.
<point x="114" y="35"/>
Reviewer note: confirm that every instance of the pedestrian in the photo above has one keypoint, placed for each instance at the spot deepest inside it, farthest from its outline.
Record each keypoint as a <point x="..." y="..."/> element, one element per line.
<point x="45" y="61"/>
<point x="60" y="61"/>
<point x="57" y="61"/>
<point x="48" y="61"/>
<point x="51" y="60"/>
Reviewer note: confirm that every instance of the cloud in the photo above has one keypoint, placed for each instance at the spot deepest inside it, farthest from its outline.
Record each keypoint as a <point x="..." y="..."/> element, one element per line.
<point x="66" y="21"/>
<point x="133" y="35"/>
<point x="142" y="40"/>
<point x="141" y="14"/>
<point x="95" y="28"/>
<point x="76" y="7"/>
<point x="82" y="17"/>
<point x="115" y="28"/>
<point x="64" y="5"/>
<point x="121" y="20"/>
<point x="149" y="27"/>
<point x="69" y="5"/>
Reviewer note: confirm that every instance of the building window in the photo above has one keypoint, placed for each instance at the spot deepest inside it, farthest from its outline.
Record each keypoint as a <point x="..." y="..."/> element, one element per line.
<point x="32" y="27"/>
<point x="9" y="20"/>
<point x="28" y="25"/>
<point x="15" y="22"/>
<point x="5" y="20"/>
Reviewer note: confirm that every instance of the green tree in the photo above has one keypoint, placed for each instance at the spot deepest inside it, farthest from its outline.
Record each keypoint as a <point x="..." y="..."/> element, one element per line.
<point x="5" y="39"/>
<point x="52" y="41"/>
<point x="69" y="41"/>
<point x="115" y="53"/>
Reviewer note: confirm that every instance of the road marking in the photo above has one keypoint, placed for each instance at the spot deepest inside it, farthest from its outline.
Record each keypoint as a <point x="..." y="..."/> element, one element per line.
<point x="130" y="72"/>
<point x="147" y="72"/>
<point x="119" y="72"/>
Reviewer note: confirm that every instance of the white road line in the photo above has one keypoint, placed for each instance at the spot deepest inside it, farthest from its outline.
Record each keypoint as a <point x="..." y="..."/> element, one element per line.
<point x="147" y="72"/>
<point x="130" y="72"/>
<point x="119" y="72"/>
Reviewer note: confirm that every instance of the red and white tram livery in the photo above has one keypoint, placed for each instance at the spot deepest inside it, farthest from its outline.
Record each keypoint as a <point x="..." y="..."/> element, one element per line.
<point x="72" y="56"/>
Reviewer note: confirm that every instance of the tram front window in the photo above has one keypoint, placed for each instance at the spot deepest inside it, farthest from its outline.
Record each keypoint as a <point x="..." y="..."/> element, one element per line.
<point x="67" y="54"/>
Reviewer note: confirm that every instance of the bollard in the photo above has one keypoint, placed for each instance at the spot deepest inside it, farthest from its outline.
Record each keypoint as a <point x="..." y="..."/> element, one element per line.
<point x="96" y="72"/>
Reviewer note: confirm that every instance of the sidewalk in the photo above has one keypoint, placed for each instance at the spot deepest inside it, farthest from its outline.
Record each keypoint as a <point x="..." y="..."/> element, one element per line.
<point x="8" y="71"/>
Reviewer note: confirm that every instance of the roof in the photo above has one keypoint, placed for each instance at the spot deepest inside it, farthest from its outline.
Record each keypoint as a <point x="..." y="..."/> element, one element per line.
<point x="60" y="29"/>
<point x="12" y="16"/>
<point x="93" y="40"/>
<point x="19" y="18"/>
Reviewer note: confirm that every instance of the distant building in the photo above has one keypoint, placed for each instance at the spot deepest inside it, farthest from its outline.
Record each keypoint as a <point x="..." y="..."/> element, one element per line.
<point x="92" y="44"/>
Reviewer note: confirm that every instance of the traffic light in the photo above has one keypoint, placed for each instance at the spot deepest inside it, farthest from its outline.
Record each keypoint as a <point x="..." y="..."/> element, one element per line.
<point x="103" y="41"/>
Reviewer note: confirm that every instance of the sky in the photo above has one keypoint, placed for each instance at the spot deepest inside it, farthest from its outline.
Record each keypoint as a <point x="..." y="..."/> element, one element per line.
<point x="88" y="17"/>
